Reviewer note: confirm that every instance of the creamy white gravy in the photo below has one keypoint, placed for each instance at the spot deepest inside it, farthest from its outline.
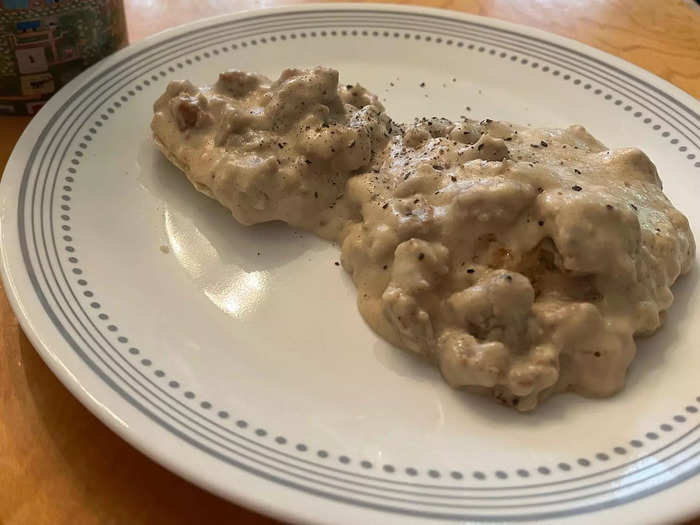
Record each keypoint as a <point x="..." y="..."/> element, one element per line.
<point x="522" y="262"/>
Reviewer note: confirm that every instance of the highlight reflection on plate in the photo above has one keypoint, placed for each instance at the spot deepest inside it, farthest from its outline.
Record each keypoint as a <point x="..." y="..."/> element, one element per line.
<point x="234" y="290"/>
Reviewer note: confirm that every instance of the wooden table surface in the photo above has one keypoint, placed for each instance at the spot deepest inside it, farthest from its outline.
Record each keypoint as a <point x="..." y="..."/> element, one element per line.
<point x="60" y="465"/>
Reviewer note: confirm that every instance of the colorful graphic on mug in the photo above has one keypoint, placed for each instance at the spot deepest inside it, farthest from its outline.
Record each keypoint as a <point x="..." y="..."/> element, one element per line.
<point x="45" y="43"/>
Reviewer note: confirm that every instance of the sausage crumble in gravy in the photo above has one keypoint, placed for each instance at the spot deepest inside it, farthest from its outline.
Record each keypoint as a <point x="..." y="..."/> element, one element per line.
<point x="522" y="262"/>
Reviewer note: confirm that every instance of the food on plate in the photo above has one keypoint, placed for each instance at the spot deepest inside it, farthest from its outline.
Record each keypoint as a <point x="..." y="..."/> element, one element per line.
<point x="521" y="261"/>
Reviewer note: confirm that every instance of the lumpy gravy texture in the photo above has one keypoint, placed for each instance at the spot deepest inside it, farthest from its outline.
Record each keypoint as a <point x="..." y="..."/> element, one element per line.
<point x="521" y="261"/>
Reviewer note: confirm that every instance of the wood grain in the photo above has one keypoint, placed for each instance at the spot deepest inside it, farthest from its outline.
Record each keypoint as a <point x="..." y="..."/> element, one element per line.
<point x="60" y="465"/>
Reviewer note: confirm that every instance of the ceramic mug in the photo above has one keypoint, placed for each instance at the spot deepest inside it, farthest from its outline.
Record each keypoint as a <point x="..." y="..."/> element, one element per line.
<point x="45" y="43"/>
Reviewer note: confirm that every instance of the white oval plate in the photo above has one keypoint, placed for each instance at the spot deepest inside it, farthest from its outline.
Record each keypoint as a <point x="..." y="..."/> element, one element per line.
<point x="238" y="359"/>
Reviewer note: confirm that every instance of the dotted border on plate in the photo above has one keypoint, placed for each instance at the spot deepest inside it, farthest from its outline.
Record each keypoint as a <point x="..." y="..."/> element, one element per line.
<point x="84" y="143"/>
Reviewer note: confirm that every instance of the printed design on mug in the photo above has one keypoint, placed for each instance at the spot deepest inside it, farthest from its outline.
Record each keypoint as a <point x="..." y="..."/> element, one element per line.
<point x="45" y="43"/>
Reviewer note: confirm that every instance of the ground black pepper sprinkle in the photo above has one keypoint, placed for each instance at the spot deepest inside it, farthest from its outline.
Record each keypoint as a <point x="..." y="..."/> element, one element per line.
<point x="540" y="190"/>
<point x="453" y="178"/>
<point x="336" y="263"/>
<point x="421" y="256"/>
<point x="386" y="205"/>
<point x="385" y="266"/>
<point x="576" y="187"/>
<point x="508" y="139"/>
<point x="577" y="171"/>
<point x="315" y="195"/>
<point x="534" y="146"/>
<point x="597" y="354"/>
<point x="307" y="161"/>
<point x="280" y="145"/>
<point x="422" y="84"/>
<point x="479" y="147"/>
<point x="633" y="207"/>
<point x="437" y="167"/>
<point x="541" y="223"/>
<point x="470" y="270"/>
<point x="543" y="144"/>
<point x="609" y="206"/>
<point x="509" y="277"/>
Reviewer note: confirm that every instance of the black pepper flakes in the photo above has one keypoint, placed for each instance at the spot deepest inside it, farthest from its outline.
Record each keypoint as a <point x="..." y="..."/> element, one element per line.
<point x="543" y="144"/>
<point x="509" y="277"/>
<point x="597" y="354"/>
<point x="280" y="145"/>
<point x="480" y="146"/>
<point x="437" y="167"/>
<point x="541" y="223"/>
<point x="385" y="267"/>
<point x="609" y="206"/>
<point x="336" y="263"/>
<point x="386" y="205"/>
<point x="470" y="270"/>
<point x="633" y="207"/>
<point x="453" y="178"/>
<point x="421" y="256"/>
<point x="315" y="195"/>
<point x="307" y="161"/>
<point x="534" y="146"/>
<point x="577" y="171"/>
<point x="422" y="84"/>
<point x="540" y="190"/>
<point x="576" y="187"/>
